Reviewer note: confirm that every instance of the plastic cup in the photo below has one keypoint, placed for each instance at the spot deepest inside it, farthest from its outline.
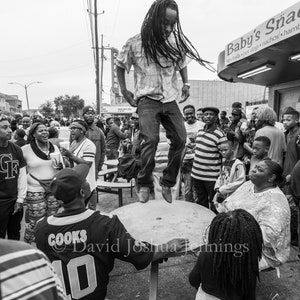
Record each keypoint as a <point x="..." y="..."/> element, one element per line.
<point x="55" y="157"/>
<point x="65" y="145"/>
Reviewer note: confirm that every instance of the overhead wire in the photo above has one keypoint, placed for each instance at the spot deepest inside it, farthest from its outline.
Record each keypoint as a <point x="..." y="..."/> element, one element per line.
<point x="46" y="73"/>
<point x="44" y="54"/>
<point x="89" y="27"/>
<point x="115" y="20"/>
<point x="91" y="17"/>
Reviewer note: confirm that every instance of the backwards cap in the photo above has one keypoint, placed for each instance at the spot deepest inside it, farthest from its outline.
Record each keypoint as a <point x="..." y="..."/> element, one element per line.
<point x="68" y="182"/>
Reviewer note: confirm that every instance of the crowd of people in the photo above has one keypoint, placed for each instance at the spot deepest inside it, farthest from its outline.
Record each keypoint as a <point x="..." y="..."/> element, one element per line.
<point x="244" y="170"/>
<point x="226" y="166"/>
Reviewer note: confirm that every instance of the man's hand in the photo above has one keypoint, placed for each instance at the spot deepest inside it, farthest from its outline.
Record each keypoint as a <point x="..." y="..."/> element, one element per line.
<point x="129" y="98"/>
<point x="172" y="246"/>
<point x="18" y="207"/>
<point x="177" y="245"/>
<point x="66" y="153"/>
<point x="185" y="93"/>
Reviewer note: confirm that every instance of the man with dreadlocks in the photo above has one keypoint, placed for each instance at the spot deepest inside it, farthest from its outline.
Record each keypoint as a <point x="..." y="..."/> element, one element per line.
<point x="228" y="266"/>
<point x="157" y="53"/>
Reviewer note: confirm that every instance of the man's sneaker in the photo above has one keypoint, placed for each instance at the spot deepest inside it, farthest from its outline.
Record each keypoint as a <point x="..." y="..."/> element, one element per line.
<point x="166" y="193"/>
<point x="143" y="194"/>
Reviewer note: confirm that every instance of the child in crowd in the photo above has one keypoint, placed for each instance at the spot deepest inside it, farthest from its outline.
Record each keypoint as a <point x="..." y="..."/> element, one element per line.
<point x="232" y="174"/>
<point x="227" y="267"/>
<point x="261" y="146"/>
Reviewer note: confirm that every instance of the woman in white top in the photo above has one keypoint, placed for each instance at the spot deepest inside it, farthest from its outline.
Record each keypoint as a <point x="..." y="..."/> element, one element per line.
<point x="265" y="201"/>
<point x="39" y="167"/>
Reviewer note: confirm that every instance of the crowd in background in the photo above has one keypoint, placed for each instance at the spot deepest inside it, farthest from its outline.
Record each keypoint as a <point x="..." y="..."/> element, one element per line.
<point x="226" y="159"/>
<point x="206" y="175"/>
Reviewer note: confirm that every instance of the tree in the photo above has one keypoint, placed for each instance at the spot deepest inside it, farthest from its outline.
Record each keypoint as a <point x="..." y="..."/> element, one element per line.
<point x="69" y="104"/>
<point x="47" y="109"/>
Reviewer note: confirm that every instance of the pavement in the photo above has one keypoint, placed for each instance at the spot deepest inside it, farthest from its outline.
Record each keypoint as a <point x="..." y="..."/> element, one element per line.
<point x="126" y="283"/>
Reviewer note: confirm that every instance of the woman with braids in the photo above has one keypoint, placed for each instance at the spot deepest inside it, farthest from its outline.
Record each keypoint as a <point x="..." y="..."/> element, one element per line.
<point x="227" y="267"/>
<point x="262" y="198"/>
<point x="157" y="53"/>
<point x="39" y="167"/>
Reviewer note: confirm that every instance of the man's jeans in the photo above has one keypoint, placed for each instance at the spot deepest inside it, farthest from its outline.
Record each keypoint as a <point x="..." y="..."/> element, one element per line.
<point x="151" y="114"/>
<point x="10" y="224"/>
<point x="189" y="190"/>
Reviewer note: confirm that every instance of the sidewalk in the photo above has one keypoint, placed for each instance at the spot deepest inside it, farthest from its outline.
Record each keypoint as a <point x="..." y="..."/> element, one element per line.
<point x="126" y="283"/>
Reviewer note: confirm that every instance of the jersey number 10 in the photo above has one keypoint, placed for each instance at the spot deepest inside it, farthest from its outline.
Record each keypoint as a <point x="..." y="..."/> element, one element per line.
<point x="72" y="269"/>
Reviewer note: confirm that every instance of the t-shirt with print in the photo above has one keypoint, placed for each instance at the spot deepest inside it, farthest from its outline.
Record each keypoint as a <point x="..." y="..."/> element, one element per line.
<point x="225" y="171"/>
<point x="11" y="160"/>
<point x="191" y="133"/>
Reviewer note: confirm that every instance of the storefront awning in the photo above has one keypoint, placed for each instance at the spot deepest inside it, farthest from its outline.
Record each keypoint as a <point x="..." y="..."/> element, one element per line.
<point x="263" y="56"/>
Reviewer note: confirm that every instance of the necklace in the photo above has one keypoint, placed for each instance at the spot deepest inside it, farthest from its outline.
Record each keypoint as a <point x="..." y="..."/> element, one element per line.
<point x="46" y="150"/>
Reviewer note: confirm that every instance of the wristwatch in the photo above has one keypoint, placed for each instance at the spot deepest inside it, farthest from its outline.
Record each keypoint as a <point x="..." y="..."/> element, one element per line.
<point x="187" y="84"/>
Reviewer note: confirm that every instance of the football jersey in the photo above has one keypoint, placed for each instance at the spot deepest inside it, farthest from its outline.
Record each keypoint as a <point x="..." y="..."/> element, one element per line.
<point x="82" y="248"/>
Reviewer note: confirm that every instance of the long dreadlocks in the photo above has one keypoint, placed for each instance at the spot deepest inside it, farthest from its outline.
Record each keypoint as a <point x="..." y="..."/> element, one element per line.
<point x="155" y="44"/>
<point x="235" y="228"/>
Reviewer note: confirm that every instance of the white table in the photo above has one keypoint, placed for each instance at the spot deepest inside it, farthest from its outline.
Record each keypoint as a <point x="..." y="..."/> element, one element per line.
<point x="157" y="222"/>
<point x="111" y="162"/>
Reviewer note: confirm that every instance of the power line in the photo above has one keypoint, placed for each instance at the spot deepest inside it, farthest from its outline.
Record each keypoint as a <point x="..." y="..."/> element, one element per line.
<point x="115" y="20"/>
<point x="90" y="14"/>
<point x="45" y="54"/>
<point x="47" y="73"/>
<point x="89" y="26"/>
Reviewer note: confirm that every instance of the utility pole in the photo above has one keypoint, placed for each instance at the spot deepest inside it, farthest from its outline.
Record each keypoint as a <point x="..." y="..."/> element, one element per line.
<point x="101" y="72"/>
<point x="98" y="98"/>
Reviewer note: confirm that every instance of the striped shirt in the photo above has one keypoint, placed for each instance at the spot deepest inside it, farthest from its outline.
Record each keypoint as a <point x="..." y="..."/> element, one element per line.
<point x="86" y="150"/>
<point x="207" y="160"/>
<point x="26" y="273"/>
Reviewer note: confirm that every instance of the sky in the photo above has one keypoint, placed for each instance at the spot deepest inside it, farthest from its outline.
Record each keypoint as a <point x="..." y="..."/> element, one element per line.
<point x="50" y="40"/>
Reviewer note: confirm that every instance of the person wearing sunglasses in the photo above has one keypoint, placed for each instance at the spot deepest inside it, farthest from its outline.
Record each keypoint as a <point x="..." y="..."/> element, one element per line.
<point x="83" y="151"/>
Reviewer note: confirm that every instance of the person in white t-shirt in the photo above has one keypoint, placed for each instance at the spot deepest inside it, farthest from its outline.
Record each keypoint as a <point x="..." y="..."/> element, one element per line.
<point x="192" y="126"/>
<point x="83" y="151"/>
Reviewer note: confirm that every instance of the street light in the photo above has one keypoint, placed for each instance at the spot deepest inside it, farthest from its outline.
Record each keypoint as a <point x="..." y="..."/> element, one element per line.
<point x="25" y="86"/>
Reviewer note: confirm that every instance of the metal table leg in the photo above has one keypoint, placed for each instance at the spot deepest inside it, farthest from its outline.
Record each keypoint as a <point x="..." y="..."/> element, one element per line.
<point x="153" y="281"/>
